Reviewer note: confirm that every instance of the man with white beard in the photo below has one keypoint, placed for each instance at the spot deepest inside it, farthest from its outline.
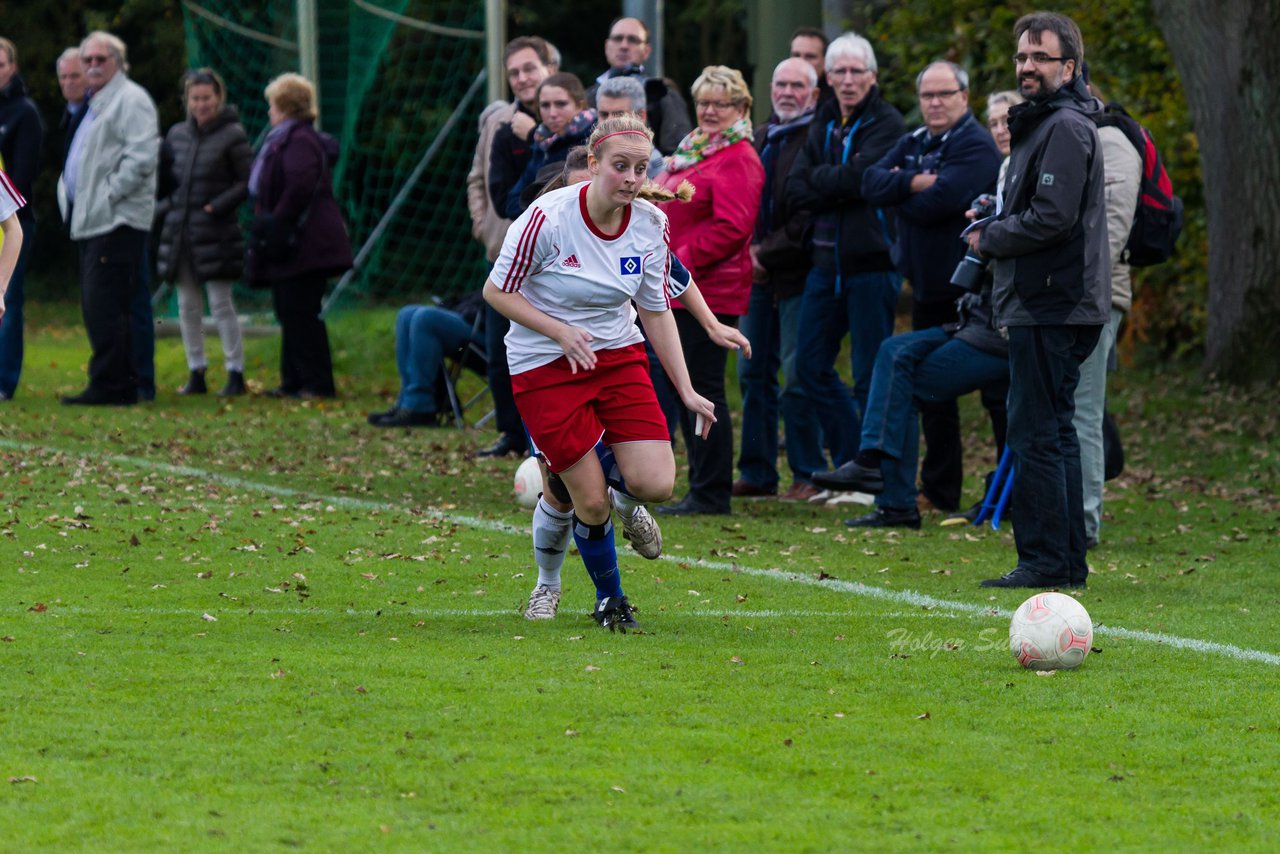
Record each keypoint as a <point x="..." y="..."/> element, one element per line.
<point x="780" y="263"/>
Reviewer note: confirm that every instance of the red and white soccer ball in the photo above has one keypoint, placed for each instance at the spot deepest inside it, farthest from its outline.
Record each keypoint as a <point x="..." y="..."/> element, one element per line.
<point x="528" y="483"/>
<point x="1050" y="631"/>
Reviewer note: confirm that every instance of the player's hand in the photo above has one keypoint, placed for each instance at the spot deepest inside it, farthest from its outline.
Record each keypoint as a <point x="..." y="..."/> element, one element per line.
<point x="729" y="338"/>
<point x="576" y="344"/>
<point x="703" y="410"/>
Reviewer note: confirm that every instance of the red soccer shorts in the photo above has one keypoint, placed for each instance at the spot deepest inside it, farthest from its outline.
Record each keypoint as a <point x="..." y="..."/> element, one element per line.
<point x="567" y="413"/>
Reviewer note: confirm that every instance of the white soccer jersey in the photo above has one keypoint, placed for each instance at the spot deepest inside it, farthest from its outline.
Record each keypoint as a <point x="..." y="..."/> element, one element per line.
<point x="564" y="266"/>
<point x="10" y="199"/>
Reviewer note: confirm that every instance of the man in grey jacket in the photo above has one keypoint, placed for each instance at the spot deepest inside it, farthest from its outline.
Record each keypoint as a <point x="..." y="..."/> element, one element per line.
<point x="107" y="195"/>
<point x="1052" y="292"/>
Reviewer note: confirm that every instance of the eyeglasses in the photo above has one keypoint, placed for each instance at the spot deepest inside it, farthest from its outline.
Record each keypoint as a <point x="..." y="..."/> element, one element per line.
<point x="719" y="106"/>
<point x="944" y="94"/>
<point x="849" y="72"/>
<point x="629" y="39"/>
<point x="97" y="59"/>
<point x="1038" y="58"/>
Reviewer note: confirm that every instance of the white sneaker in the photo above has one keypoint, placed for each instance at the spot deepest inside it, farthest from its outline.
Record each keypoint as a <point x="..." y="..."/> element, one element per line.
<point x="643" y="534"/>
<point x="838" y="498"/>
<point x="821" y="497"/>
<point x="543" y="602"/>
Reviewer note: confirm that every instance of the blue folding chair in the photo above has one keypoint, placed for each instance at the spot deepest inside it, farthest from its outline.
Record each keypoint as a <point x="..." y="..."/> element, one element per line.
<point x="997" y="497"/>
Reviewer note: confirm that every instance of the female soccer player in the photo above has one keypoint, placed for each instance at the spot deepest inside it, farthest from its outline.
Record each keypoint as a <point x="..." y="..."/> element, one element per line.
<point x="10" y="233"/>
<point x="568" y="272"/>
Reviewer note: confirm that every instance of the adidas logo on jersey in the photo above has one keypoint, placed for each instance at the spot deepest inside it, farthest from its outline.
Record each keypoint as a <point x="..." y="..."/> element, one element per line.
<point x="571" y="261"/>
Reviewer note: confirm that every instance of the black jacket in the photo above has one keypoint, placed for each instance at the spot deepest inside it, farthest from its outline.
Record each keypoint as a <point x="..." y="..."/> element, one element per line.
<point x="21" y="132"/>
<point x="850" y="236"/>
<point x="210" y="167"/>
<point x="1052" y="263"/>
<point x="928" y="244"/>
<point x="782" y="235"/>
<point x="508" y="157"/>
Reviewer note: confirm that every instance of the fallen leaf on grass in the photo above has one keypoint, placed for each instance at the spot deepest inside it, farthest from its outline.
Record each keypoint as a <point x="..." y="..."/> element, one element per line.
<point x="591" y="668"/>
<point x="1045" y="672"/>
<point x="360" y="689"/>
<point x="24" y="779"/>
<point x="7" y="639"/>
<point x="204" y="575"/>
<point x="209" y="618"/>
<point x="277" y="674"/>
<point x="39" y="608"/>
<point x="926" y="716"/>
<point x="618" y="789"/>
<point x="572" y="733"/>
<point x="735" y="660"/>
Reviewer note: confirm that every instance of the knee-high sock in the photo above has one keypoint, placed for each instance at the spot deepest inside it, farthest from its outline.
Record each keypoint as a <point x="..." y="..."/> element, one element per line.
<point x="595" y="544"/>
<point x="551" y="530"/>
<point x="623" y="501"/>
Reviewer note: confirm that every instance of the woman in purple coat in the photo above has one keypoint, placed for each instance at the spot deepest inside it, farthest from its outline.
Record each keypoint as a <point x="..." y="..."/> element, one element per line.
<point x="298" y="240"/>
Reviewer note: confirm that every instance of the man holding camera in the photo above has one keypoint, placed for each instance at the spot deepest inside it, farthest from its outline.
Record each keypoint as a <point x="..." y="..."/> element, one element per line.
<point x="930" y="178"/>
<point x="1052" y="293"/>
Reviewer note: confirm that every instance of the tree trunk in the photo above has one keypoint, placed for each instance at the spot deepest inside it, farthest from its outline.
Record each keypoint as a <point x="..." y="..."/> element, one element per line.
<point x="1226" y="53"/>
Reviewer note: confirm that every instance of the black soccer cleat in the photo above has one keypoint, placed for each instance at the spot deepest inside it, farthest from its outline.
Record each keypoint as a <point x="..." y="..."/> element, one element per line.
<point x="615" y="614"/>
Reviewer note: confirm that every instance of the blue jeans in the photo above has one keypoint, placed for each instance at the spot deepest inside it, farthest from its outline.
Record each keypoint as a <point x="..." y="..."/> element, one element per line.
<point x="424" y="336"/>
<point x="1048" y="503"/>
<point x="11" y="344"/>
<point x="863" y="307"/>
<point x="926" y="366"/>
<point x="773" y="330"/>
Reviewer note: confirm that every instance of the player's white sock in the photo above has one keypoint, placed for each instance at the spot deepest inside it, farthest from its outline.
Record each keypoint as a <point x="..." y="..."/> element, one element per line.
<point x="551" y="533"/>
<point x="625" y="504"/>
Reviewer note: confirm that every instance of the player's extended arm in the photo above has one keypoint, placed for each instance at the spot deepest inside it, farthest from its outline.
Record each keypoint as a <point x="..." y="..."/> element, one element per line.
<point x="660" y="327"/>
<point x="575" y="342"/>
<point x="721" y="334"/>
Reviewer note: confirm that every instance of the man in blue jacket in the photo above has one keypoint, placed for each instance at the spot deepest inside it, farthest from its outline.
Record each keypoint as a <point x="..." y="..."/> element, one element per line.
<point x="853" y="286"/>
<point x="930" y="179"/>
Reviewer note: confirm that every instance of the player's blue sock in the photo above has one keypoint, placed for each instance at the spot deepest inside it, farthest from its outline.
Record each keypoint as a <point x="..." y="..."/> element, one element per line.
<point x="612" y="474"/>
<point x="595" y="544"/>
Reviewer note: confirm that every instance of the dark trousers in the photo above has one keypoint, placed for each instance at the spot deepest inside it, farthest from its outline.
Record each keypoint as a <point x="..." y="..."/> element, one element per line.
<point x="942" y="470"/>
<point x="143" y="327"/>
<point x="305" y="362"/>
<point x="109" y="267"/>
<point x="506" y="416"/>
<point x="1048" y="496"/>
<point x="710" y="460"/>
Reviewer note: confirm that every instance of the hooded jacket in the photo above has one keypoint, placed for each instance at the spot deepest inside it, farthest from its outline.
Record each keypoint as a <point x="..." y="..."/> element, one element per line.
<point x="1049" y="239"/>
<point x="211" y="167"/>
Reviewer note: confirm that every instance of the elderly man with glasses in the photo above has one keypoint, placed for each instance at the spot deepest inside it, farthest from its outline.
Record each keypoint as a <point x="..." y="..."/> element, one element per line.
<point x="853" y="287"/>
<point x="930" y="179"/>
<point x="107" y="193"/>
<point x="626" y="49"/>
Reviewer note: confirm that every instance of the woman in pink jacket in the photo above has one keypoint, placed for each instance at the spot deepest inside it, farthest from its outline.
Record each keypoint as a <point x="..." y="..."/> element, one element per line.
<point x="711" y="234"/>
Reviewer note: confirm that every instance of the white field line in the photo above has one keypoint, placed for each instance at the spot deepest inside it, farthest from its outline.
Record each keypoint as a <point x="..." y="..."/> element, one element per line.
<point x="902" y="597"/>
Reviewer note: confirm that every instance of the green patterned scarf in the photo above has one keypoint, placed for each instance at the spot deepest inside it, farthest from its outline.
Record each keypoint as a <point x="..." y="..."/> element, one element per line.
<point x="698" y="145"/>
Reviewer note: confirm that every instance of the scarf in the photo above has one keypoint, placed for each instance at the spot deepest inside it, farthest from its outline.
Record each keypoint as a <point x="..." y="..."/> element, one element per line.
<point x="577" y="126"/>
<point x="276" y="134"/>
<point x="698" y="145"/>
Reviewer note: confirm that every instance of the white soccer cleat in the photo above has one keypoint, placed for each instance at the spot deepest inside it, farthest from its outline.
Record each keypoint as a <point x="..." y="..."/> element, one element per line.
<point x="643" y="533"/>
<point x="543" y="603"/>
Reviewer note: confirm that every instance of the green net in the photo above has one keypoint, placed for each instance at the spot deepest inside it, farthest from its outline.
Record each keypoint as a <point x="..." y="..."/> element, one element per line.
<point x="401" y="87"/>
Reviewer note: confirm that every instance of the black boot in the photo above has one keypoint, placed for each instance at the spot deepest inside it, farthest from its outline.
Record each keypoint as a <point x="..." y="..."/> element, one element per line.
<point x="195" y="384"/>
<point x="235" y="385"/>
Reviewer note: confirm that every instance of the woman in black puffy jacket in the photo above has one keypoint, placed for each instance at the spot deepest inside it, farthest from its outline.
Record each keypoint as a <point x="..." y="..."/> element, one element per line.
<point x="201" y="241"/>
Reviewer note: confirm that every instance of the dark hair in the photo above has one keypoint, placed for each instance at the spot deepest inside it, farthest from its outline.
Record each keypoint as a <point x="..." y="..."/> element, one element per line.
<point x="568" y="82"/>
<point x="537" y="44"/>
<point x="810" y="32"/>
<point x="1069" y="37"/>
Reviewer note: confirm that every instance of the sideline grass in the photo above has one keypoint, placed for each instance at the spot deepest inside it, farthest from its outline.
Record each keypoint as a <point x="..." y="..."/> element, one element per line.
<point x="366" y="680"/>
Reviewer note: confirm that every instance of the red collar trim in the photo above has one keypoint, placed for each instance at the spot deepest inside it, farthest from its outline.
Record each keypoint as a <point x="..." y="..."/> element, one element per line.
<point x="591" y="226"/>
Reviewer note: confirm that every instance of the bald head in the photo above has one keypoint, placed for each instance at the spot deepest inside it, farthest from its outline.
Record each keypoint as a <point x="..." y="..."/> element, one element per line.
<point x="794" y="90"/>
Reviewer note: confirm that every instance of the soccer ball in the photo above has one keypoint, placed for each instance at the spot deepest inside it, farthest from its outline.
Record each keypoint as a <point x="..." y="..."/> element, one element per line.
<point x="1050" y="631"/>
<point x="528" y="483"/>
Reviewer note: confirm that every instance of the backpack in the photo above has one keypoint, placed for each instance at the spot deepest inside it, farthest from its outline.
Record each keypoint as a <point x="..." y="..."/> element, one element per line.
<point x="1158" y="219"/>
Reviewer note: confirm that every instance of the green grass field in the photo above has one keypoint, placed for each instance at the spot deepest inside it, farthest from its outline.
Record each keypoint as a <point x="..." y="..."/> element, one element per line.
<point x="260" y="625"/>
